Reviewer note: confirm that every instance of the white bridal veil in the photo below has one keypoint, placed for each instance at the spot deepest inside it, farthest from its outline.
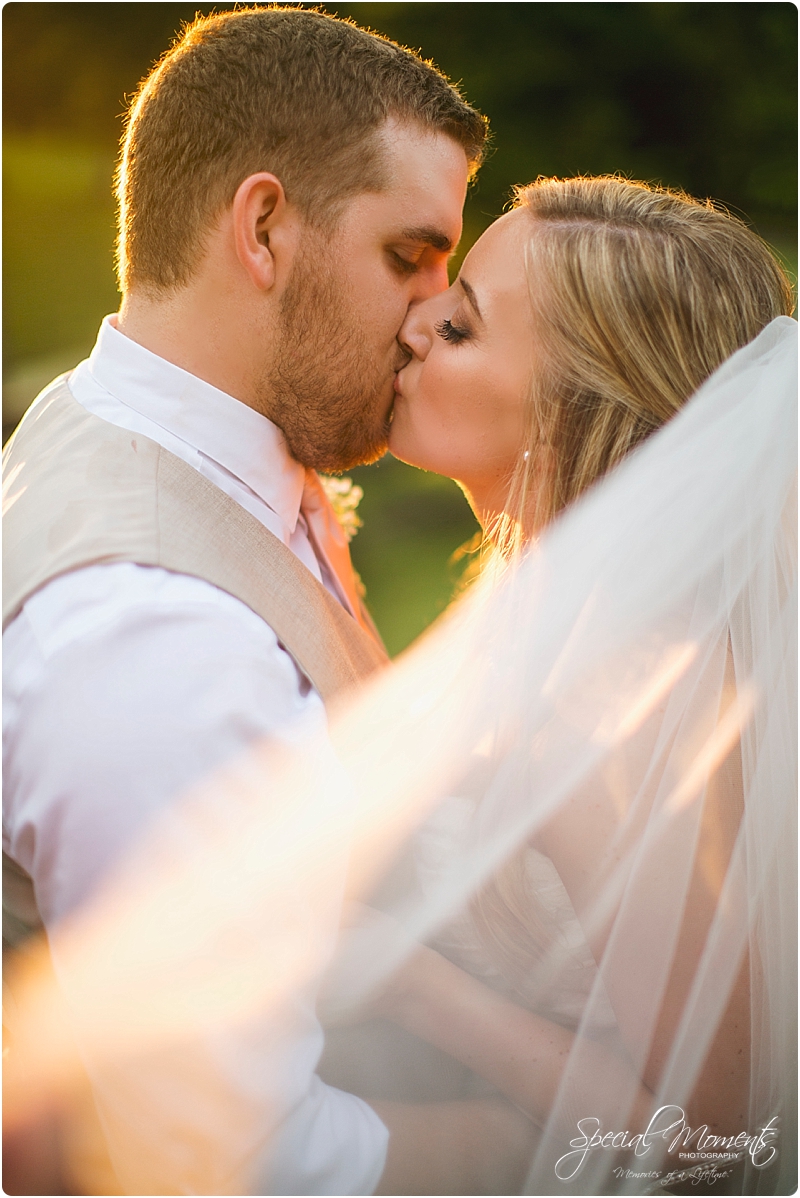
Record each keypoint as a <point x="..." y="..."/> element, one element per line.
<point x="585" y="774"/>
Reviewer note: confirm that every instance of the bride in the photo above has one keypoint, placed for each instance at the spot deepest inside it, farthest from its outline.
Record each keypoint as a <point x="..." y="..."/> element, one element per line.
<point x="568" y="812"/>
<point x="609" y="884"/>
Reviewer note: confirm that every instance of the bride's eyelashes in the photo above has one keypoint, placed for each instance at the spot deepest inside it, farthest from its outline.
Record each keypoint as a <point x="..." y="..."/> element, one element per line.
<point x="451" y="332"/>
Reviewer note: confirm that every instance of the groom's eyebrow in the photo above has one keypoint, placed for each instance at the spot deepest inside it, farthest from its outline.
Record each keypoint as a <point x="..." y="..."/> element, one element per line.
<point x="429" y="235"/>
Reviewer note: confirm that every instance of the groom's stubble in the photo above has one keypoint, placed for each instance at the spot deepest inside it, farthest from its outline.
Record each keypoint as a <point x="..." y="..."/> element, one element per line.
<point x="329" y="387"/>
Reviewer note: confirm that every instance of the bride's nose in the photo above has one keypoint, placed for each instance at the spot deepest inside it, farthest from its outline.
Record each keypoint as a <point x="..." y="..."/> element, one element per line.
<point x="416" y="332"/>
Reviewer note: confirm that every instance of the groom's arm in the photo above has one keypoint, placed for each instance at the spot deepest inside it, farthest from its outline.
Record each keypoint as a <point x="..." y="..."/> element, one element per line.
<point x="124" y="687"/>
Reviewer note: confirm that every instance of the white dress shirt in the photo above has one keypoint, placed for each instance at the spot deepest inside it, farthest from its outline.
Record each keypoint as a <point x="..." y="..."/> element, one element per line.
<point x="124" y="685"/>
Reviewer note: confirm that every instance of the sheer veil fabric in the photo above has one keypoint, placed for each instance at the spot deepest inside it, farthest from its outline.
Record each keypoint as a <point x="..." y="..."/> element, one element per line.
<point x="621" y="702"/>
<point x="629" y="692"/>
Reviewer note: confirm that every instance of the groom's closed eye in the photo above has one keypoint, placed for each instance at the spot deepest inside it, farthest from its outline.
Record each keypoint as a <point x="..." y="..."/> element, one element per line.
<point x="406" y="264"/>
<point x="414" y="244"/>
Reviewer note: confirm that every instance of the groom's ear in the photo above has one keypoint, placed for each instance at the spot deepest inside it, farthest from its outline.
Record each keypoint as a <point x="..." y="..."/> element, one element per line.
<point x="264" y="229"/>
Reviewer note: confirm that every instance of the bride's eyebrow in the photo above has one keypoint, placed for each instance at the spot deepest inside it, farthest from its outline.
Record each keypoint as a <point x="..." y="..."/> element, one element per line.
<point x="470" y="294"/>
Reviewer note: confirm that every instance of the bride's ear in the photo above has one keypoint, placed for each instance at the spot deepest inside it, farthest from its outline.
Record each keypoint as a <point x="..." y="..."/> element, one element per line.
<point x="264" y="229"/>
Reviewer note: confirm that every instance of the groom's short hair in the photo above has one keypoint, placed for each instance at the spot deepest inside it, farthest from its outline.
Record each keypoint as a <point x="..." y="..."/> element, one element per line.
<point x="290" y="91"/>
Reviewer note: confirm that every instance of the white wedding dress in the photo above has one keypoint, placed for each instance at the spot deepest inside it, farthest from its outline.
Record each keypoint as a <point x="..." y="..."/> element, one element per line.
<point x="568" y="956"/>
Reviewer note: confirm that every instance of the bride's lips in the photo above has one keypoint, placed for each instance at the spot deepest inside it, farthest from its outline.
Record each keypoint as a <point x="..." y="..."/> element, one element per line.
<point x="397" y="379"/>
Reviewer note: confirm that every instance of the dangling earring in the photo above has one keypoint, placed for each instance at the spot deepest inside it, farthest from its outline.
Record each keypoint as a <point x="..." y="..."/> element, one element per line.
<point x="526" y="455"/>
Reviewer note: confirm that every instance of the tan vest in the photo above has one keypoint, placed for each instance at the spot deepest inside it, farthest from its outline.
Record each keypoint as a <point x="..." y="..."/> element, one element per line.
<point x="78" y="491"/>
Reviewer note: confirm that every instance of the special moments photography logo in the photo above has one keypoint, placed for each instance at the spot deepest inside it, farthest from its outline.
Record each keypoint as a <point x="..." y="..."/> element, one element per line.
<point x="696" y="1148"/>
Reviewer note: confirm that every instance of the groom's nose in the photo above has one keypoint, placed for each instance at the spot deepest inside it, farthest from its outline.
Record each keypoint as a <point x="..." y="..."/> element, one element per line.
<point x="431" y="280"/>
<point x="417" y="330"/>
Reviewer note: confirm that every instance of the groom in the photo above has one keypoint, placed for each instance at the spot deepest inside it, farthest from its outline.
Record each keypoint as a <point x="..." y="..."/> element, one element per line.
<point x="176" y="584"/>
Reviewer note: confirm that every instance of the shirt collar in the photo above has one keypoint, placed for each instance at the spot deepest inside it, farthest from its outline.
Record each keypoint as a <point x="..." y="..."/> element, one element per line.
<point x="223" y="429"/>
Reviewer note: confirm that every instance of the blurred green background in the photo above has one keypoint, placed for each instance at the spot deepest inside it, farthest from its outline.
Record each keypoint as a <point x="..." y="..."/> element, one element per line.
<point x="701" y="96"/>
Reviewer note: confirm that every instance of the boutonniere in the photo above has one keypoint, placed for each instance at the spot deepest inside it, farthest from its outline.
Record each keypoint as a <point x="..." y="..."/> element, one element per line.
<point x="344" y="497"/>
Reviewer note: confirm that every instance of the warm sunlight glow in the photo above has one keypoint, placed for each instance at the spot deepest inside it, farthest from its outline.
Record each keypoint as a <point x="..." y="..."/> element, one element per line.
<point x="8" y="482"/>
<point x="726" y="734"/>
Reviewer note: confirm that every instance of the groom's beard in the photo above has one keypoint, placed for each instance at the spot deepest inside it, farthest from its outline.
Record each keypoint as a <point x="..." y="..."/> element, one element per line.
<point x="329" y="395"/>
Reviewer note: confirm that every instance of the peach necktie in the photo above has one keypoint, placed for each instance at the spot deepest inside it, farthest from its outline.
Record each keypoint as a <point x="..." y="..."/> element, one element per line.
<point x="330" y="545"/>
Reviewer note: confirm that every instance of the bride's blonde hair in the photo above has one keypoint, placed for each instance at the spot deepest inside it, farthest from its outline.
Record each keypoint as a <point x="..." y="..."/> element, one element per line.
<point x="638" y="295"/>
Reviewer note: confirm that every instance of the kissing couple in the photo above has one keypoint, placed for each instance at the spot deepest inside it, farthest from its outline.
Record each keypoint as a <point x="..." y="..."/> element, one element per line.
<point x="573" y="881"/>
